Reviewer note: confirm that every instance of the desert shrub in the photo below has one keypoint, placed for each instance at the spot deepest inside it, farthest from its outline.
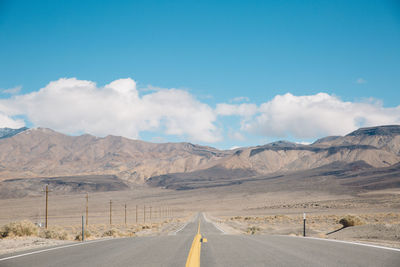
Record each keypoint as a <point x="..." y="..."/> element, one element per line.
<point x="350" y="220"/>
<point x="78" y="237"/>
<point x="252" y="230"/>
<point x="54" y="233"/>
<point x="111" y="232"/>
<point x="21" y="228"/>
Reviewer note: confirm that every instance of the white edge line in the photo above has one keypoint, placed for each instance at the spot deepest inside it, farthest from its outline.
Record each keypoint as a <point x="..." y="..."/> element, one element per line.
<point x="215" y="225"/>
<point x="54" y="248"/>
<point x="346" y="242"/>
<point x="183" y="226"/>
<point x="180" y="229"/>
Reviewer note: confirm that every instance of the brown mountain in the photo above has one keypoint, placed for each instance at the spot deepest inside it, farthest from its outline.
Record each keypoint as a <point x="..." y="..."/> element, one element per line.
<point x="376" y="146"/>
<point x="46" y="153"/>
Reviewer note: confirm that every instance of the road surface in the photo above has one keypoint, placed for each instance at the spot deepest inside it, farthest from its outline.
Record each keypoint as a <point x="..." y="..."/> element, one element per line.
<point x="220" y="250"/>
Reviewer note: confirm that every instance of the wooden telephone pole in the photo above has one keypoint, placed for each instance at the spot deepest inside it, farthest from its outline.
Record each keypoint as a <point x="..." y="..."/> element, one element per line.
<point x="136" y="212"/>
<point x="125" y="214"/>
<point x="110" y="212"/>
<point x="144" y="213"/>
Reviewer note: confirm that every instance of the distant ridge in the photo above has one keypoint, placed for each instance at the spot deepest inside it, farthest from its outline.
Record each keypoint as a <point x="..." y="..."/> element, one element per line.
<point x="42" y="152"/>
<point x="8" y="132"/>
<point x="390" y="130"/>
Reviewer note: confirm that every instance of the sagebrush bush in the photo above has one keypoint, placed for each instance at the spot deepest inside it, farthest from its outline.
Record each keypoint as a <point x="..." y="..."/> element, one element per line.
<point x="252" y="230"/>
<point x="54" y="233"/>
<point x="111" y="232"/>
<point x="79" y="235"/>
<point x="21" y="228"/>
<point x="350" y="220"/>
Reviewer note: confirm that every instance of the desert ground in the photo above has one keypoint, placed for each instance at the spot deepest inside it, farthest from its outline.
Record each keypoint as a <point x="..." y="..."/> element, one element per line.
<point x="249" y="208"/>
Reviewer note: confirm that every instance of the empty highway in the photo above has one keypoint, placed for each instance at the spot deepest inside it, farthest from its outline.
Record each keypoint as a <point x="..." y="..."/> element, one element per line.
<point x="220" y="250"/>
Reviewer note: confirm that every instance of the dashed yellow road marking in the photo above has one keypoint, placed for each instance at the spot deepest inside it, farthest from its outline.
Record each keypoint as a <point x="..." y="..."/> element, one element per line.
<point x="193" y="259"/>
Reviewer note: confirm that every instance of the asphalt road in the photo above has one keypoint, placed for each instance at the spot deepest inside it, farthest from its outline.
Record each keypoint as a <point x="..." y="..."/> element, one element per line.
<point x="220" y="250"/>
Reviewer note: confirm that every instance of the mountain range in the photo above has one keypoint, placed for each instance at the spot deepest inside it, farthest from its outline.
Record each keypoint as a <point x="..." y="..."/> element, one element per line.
<point x="41" y="152"/>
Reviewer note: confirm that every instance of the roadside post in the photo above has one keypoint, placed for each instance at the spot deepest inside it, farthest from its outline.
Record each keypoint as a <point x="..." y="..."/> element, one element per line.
<point x="304" y="224"/>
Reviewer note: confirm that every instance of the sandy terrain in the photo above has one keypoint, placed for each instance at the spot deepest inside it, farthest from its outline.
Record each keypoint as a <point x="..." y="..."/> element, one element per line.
<point x="11" y="245"/>
<point x="237" y="209"/>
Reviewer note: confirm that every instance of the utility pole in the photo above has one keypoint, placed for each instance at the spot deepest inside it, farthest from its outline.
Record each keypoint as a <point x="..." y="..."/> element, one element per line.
<point x="125" y="214"/>
<point x="87" y="209"/>
<point x="144" y="213"/>
<point x="47" y="202"/>
<point x="83" y="231"/>
<point x="110" y="211"/>
<point x="136" y="213"/>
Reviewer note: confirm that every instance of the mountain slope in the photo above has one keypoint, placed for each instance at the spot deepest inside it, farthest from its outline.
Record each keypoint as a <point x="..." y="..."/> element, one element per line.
<point x="46" y="153"/>
<point x="8" y="132"/>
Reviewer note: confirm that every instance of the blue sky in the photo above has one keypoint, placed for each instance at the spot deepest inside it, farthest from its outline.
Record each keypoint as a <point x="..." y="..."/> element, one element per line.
<point x="218" y="52"/>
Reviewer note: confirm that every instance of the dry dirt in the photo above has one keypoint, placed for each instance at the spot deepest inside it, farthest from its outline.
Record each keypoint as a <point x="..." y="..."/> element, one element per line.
<point x="237" y="209"/>
<point x="11" y="245"/>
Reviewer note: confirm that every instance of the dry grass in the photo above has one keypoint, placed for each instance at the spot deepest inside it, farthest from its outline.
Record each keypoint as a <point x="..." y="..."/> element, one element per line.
<point x="55" y="232"/>
<point x="21" y="228"/>
<point x="93" y="231"/>
<point x="317" y="224"/>
<point x="350" y="220"/>
<point x="252" y="230"/>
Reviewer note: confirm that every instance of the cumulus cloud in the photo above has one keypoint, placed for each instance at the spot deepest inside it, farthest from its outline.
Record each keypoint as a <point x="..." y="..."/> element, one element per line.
<point x="244" y="110"/>
<point x="317" y="115"/>
<point x="14" y="90"/>
<point x="236" y="136"/>
<point x="7" y="122"/>
<point x="76" y="106"/>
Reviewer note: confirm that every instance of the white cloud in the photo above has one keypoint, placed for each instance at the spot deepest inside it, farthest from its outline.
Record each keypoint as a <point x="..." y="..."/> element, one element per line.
<point x="7" y="122"/>
<point x="361" y="81"/>
<point x="317" y="115"/>
<point x="12" y="91"/>
<point x="236" y="136"/>
<point x="303" y="143"/>
<point x="244" y="110"/>
<point x="76" y="106"/>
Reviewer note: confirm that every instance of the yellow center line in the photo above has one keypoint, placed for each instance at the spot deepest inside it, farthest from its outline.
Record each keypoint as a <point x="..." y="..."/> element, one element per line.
<point x="193" y="259"/>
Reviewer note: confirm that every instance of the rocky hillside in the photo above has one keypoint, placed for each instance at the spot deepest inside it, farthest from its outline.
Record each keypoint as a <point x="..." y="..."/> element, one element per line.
<point x="376" y="146"/>
<point x="46" y="153"/>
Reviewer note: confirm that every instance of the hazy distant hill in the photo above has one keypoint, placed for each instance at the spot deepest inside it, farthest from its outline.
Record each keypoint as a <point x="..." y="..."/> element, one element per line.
<point x="46" y="153"/>
<point x="375" y="147"/>
<point x="8" y="132"/>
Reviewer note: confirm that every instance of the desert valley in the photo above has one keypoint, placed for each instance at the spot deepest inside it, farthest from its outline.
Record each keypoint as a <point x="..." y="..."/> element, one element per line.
<point x="153" y="189"/>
